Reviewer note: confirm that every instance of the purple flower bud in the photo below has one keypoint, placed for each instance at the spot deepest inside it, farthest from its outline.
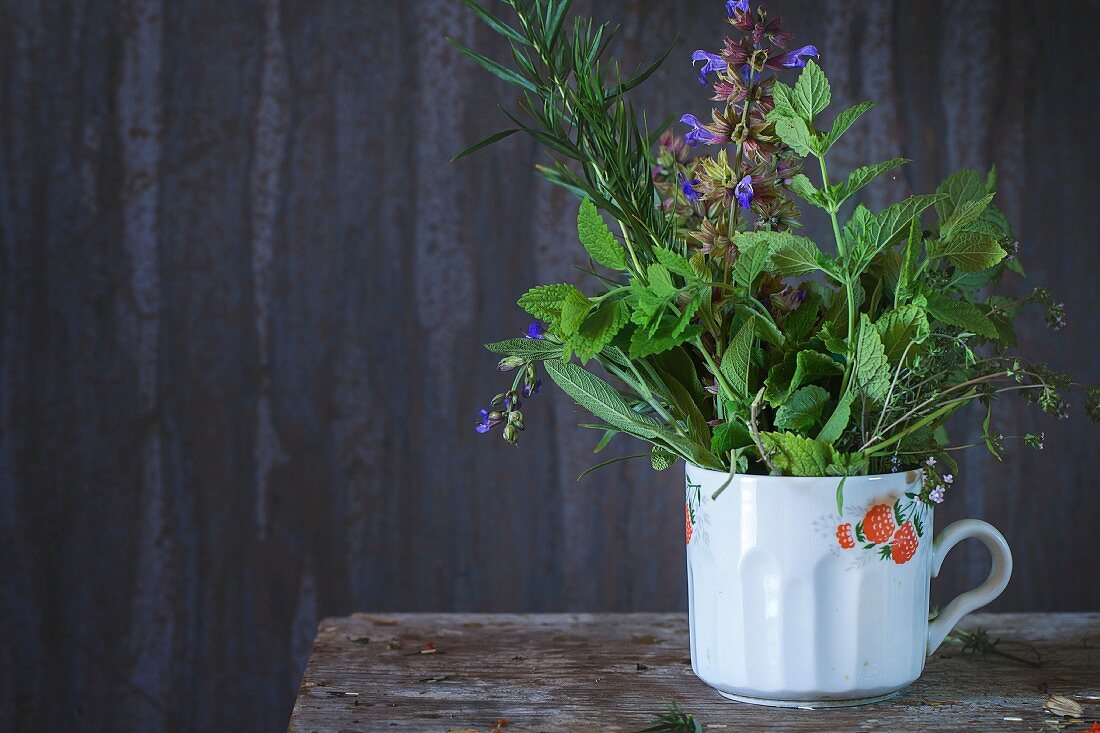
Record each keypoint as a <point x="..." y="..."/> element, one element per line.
<point x="536" y="330"/>
<point x="532" y="389"/>
<point x="797" y="58"/>
<point x="734" y="5"/>
<point x="698" y="134"/>
<point x="743" y="192"/>
<point x="688" y="187"/>
<point x="489" y="420"/>
<point x="714" y="62"/>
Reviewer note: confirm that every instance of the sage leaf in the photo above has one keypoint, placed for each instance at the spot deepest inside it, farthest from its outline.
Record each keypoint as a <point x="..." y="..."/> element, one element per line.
<point x="737" y="360"/>
<point x="599" y="398"/>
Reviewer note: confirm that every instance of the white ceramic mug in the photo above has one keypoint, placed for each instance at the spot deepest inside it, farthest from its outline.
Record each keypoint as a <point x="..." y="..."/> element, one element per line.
<point x="793" y="605"/>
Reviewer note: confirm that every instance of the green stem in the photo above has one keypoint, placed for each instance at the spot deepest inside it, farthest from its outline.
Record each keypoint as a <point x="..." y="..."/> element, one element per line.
<point x="849" y="289"/>
<point x="932" y="417"/>
<point x="715" y="371"/>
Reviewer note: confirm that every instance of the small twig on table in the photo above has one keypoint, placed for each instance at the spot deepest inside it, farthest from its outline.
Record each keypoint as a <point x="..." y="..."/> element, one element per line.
<point x="979" y="641"/>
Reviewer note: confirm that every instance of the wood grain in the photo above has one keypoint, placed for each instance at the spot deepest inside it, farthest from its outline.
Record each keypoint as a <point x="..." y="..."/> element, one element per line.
<point x="613" y="672"/>
<point x="243" y="296"/>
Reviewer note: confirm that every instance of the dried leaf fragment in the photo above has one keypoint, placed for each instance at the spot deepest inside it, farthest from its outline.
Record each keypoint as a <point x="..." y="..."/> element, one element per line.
<point x="1063" y="706"/>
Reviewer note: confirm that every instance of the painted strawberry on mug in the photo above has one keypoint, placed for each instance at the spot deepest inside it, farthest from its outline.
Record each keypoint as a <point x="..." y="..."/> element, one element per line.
<point x="844" y="535"/>
<point x="904" y="545"/>
<point x="878" y="525"/>
<point x="687" y="523"/>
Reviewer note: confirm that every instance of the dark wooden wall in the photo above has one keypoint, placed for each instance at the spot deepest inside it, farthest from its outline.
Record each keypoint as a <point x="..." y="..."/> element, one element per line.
<point x="243" y="296"/>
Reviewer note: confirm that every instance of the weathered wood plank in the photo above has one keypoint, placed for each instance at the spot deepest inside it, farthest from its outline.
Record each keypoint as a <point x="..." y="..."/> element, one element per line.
<point x="612" y="672"/>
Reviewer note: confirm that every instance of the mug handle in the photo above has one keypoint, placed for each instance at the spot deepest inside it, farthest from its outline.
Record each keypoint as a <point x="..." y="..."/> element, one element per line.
<point x="987" y="592"/>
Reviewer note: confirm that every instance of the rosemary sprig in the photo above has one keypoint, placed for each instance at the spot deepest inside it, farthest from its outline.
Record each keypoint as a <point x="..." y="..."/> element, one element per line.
<point x="674" y="721"/>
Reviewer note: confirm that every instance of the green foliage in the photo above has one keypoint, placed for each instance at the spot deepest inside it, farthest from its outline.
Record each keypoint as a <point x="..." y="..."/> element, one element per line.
<point x="843" y="121"/>
<point x="796" y="455"/>
<point x="726" y="339"/>
<point x="545" y="302"/>
<point x="597" y="330"/>
<point x="803" y="410"/>
<point x="811" y="93"/>
<point x="871" y="374"/>
<point x="737" y="361"/>
<point x="597" y="238"/>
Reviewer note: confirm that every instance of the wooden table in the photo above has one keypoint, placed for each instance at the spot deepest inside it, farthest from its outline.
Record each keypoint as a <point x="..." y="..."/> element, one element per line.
<point x="613" y="672"/>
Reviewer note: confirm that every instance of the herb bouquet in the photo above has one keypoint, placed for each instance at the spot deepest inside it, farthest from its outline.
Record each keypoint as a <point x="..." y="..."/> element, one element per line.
<point x="727" y="339"/>
<point x="788" y="373"/>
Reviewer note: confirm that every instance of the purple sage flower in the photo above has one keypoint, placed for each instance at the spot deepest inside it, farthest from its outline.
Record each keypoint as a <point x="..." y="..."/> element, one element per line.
<point x="733" y="5"/>
<point x="797" y="58"/>
<point x="743" y="192"/>
<point x="489" y="420"/>
<point x="688" y="187"/>
<point x="531" y="389"/>
<point x="698" y="134"/>
<point x="536" y="330"/>
<point x="713" y="62"/>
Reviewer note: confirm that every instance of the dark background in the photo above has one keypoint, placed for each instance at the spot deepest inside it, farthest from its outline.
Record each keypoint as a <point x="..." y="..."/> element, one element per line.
<point x="244" y="294"/>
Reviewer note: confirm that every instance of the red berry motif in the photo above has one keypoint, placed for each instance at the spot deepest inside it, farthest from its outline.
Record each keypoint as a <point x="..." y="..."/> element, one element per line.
<point x="844" y="536"/>
<point x="904" y="545"/>
<point x="687" y="523"/>
<point x="878" y="525"/>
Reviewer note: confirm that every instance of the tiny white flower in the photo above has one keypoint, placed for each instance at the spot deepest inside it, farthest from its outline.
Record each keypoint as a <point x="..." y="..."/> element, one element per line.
<point x="931" y="461"/>
<point x="948" y="478"/>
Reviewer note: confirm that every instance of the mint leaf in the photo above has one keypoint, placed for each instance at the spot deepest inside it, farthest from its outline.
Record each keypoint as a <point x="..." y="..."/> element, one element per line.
<point x="783" y="96"/>
<point x="962" y="315"/>
<point x="860" y="177"/>
<point x="838" y="421"/>
<point x="674" y="262"/>
<point x="598" y="239"/>
<point x="803" y="409"/>
<point x="797" y="456"/>
<point x="545" y="301"/>
<point x="805" y="190"/>
<point x="811" y="92"/>
<point x="753" y="258"/>
<point x="791" y="373"/>
<point x="599" y="328"/>
<point x="738" y="358"/>
<point x="899" y="328"/>
<point x="871" y="375"/>
<point x="843" y="121"/>
<point x="872" y="235"/>
<point x="965" y="214"/>
<point x="972" y="251"/>
<point x="665" y="336"/>
<point x="660" y="282"/>
<point x="908" y="268"/>
<point x="729" y="436"/>
<point x="574" y="309"/>
<point x="959" y="188"/>
<point x="794" y="256"/>
<point x="794" y="132"/>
